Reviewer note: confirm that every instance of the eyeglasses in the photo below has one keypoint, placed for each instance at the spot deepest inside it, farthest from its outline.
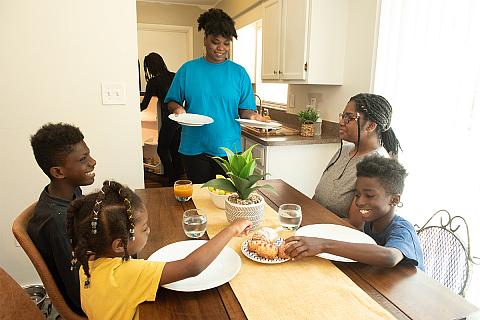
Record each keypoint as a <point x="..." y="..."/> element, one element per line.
<point x="348" y="116"/>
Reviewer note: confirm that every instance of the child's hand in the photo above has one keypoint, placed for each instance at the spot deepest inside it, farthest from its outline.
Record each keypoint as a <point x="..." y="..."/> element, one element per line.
<point x="241" y="227"/>
<point x="304" y="247"/>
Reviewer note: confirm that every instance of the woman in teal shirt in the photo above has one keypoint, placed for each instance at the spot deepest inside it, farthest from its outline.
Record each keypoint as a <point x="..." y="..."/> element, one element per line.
<point x="213" y="86"/>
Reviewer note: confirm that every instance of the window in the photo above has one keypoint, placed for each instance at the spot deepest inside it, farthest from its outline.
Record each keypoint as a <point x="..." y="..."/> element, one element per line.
<point x="247" y="51"/>
<point x="428" y="68"/>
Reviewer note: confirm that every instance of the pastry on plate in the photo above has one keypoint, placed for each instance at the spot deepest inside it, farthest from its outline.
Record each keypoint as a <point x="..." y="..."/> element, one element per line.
<point x="265" y="234"/>
<point x="281" y="250"/>
<point x="253" y="244"/>
<point x="267" y="250"/>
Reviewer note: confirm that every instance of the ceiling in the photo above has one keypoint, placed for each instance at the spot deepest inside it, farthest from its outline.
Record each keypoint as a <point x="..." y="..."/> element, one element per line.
<point x="200" y="3"/>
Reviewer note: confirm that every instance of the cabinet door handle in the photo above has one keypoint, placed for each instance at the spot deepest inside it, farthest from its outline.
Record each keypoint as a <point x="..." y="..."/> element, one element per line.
<point x="279" y="72"/>
<point x="274" y="71"/>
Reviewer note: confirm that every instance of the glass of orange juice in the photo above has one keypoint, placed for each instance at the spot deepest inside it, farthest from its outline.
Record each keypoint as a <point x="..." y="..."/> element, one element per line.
<point x="183" y="190"/>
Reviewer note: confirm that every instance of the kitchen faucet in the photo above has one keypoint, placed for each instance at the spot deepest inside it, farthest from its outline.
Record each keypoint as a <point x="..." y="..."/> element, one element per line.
<point x="259" y="99"/>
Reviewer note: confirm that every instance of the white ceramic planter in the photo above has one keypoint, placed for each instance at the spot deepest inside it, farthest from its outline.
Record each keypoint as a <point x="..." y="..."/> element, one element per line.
<point x="253" y="212"/>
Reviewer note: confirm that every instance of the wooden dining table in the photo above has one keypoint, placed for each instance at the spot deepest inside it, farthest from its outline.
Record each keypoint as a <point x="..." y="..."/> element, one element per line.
<point x="406" y="292"/>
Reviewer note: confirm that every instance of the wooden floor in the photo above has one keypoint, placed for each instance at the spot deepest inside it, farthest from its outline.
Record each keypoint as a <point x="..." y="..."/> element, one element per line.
<point x="153" y="180"/>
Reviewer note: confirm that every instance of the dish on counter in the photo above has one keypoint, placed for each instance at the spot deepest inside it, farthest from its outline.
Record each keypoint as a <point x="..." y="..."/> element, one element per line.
<point x="223" y="269"/>
<point x="190" y="119"/>
<point x="259" y="124"/>
<point x="334" y="232"/>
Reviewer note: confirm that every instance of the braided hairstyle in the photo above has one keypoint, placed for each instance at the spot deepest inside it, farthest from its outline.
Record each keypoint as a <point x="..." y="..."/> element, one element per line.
<point x="376" y="109"/>
<point x="217" y="23"/>
<point x="388" y="171"/>
<point x="94" y="221"/>
<point x="154" y="65"/>
<point x="52" y="143"/>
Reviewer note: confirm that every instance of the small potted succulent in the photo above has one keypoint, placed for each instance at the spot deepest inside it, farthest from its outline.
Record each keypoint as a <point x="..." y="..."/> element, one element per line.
<point x="244" y="202"/>
<point x="307" y="118"/>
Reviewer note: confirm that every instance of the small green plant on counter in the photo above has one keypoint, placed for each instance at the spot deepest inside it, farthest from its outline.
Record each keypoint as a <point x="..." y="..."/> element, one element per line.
<point x="239" y="168"/>
<point x="309" y="115"/>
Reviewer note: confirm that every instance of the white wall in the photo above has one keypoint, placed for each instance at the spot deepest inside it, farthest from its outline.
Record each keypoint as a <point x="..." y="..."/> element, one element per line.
<point x="173" y="14"/>
<point x="54" y="56"/>
<point x="360" y="59"/>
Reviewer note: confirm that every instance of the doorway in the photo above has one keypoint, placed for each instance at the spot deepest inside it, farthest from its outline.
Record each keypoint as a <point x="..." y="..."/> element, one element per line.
<point x="159" y="38"/>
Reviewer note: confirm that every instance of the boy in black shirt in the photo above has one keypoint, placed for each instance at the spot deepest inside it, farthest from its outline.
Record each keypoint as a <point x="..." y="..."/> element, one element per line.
<point x="64" y="157"/>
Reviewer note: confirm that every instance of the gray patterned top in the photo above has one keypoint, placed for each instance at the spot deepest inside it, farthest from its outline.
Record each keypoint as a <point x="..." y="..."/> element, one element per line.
<point x="337" y="194"/>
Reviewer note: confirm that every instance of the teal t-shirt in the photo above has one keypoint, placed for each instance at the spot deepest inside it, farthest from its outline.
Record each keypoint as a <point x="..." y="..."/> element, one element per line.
<point x="216" y="90"/>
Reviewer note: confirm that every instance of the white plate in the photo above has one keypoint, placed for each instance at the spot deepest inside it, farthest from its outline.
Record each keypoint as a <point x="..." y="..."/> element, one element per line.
<point x="259" y="124"/>
<point x="220" y="271"/>
<point x="334" y="232"/>
<point x="253" y="256"/>
<point x="190" y="119"/>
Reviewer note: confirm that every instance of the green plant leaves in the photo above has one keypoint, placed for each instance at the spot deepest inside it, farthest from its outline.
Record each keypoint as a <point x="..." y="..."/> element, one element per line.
<point x="310" y="115"/>
<point x="239" y="168"/>
<point x="222" y="184"/>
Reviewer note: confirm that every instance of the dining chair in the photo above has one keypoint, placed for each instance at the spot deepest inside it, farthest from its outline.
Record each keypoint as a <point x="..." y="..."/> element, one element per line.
<point x="19" y="230"/>
<point x="446" y="256"/>
<point x="14" y="302"/>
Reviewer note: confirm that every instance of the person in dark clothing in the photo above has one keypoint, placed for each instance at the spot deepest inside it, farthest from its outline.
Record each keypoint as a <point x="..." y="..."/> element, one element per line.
<point x="64" y="157"/>
<point x="159" y="79"/>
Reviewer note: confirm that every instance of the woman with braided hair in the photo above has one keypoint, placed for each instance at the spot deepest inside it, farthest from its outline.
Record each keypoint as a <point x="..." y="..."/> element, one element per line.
<point x="105" y="229"/>
<point x="159" y="79"/>
<point x="365" y="125"/>
<point x="217" y="87"/>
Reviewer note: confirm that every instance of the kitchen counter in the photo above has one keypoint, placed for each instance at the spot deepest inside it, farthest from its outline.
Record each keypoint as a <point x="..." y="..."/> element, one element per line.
<point x="286" y="155"/>
<point x="290" y="140"/>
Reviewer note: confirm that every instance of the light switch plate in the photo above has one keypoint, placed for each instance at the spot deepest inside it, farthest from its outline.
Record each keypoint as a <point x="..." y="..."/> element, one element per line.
<point x="113" y="93"/>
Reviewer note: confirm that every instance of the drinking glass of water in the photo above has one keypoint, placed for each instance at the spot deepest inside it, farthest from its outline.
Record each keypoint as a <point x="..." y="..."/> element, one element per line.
<point x="194" y="223"/>
<point x="290" y="216"/>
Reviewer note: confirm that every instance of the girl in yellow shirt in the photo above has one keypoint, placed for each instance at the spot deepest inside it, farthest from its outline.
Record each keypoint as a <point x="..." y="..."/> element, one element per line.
<point x="109" y="226"/>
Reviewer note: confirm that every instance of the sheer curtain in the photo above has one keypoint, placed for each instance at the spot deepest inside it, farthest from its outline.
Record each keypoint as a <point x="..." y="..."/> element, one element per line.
<point x="428" y="67"/>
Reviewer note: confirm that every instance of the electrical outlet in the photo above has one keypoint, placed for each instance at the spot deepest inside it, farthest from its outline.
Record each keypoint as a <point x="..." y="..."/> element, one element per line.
<point x="291" y="101"/>
<point x="313" y="102"/>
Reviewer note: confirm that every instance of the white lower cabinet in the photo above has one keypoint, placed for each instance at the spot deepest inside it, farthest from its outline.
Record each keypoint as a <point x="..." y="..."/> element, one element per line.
<point x="301" y="166"/>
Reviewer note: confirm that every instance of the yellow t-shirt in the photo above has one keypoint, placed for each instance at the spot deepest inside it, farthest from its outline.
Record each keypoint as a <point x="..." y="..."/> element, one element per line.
<point x="117" y="287"/>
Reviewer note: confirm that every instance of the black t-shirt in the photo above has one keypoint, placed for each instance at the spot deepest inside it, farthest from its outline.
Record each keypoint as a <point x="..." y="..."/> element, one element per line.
<point x="158" y="87"/>
<point x="48" y="231"/>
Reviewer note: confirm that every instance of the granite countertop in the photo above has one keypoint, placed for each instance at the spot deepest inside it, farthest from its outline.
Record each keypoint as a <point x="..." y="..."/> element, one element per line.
<point x="291" y="140"/>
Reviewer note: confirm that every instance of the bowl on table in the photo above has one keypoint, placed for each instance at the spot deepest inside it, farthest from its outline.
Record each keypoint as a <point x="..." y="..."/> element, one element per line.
<point x="218" y="197"/>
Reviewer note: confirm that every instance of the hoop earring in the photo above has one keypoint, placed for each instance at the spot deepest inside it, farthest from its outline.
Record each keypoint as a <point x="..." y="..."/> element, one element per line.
<point x="400" y="204"/>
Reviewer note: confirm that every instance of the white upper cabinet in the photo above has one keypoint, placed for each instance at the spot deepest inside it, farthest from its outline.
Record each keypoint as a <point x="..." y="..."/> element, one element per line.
<point x="304" y="41"/>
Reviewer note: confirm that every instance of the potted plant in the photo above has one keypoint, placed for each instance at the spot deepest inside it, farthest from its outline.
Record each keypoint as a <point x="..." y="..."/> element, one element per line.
<point x="244" y="202"/>
<point x="307" y="118"/>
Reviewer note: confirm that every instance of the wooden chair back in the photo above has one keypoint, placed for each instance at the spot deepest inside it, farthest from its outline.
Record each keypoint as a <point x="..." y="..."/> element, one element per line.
<point x="19" y="230"/>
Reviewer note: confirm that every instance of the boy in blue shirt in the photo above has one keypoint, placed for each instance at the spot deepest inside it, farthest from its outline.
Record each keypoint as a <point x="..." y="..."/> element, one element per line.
<point x="64" y="157"/>
<point x="378" y="188"/>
